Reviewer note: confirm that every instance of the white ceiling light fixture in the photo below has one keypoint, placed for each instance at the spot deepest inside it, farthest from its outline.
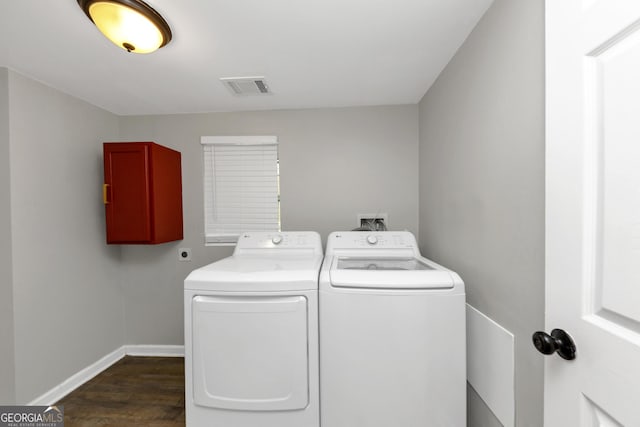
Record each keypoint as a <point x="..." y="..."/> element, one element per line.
<point x="132" y="25"/>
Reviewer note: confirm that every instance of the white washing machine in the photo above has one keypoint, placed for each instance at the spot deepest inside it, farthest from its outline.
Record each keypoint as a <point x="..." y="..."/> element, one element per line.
<point x="392" y="335"/>
<point x="251" y="334"/>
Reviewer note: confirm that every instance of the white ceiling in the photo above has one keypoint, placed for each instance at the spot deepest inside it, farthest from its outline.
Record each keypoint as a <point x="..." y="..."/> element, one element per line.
<point x="313" y="53"/>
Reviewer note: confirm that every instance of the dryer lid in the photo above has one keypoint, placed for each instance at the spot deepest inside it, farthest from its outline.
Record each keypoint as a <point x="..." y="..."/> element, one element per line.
<point x="247" y="273"/>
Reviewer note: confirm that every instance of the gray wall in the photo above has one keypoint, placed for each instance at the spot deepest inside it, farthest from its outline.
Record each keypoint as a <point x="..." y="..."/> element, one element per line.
<point x="68" y="307"/>
<point x="334" y="164"/>
<point x="482" y="182"/>
<point x="7" y="390"/>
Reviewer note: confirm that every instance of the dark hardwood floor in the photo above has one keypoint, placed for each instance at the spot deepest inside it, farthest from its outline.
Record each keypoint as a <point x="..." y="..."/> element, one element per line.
<point x="135" y="391"/>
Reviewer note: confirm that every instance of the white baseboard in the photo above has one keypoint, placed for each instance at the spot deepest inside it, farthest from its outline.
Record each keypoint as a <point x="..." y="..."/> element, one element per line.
<point x="155" y="350"/>
<point x="76" y="380"/>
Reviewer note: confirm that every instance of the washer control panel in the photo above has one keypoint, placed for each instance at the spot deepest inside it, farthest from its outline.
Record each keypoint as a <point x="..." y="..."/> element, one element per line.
<point x="364" y="239"/>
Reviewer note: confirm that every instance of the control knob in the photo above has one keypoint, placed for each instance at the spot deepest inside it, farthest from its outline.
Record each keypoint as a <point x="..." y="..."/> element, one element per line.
<point x="372" y="240"/>
<point x="276" y="240"/>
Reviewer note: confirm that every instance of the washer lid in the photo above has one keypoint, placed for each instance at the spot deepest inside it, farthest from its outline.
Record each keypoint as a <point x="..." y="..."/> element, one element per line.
<point x="382" y="263"/>
<point x="247" y="273"/>
<point x="389" y="273"/>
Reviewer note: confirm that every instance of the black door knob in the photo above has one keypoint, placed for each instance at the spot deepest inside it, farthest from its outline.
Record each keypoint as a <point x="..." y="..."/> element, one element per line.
<point x="559" y="341"/>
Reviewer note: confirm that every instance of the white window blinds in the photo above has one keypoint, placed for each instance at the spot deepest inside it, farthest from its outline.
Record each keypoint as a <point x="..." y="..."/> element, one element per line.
<point x="241" y="191"/>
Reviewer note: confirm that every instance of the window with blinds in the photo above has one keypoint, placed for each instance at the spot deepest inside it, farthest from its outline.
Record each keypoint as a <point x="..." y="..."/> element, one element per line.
<point x="241" y="188"/>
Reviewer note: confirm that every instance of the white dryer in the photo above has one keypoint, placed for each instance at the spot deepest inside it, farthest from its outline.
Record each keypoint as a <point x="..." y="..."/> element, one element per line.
<point x="392" y="335"/>
<point x="251" y="334"/>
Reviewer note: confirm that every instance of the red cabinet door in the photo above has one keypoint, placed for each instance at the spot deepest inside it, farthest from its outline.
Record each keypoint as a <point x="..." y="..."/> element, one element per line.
<point x="166" y="194"/>
<point x="143" y="193"/>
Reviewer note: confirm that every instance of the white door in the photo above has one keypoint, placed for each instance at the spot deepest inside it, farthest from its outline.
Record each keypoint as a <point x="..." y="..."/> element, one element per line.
<point x="593" y="210"/>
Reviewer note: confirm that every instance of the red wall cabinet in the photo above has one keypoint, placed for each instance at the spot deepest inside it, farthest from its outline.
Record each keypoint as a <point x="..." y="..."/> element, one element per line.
<point x="142" y="193"/>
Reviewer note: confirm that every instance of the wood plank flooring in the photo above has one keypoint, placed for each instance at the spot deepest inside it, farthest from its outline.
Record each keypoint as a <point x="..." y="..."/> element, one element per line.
<point x="135" y="391"/>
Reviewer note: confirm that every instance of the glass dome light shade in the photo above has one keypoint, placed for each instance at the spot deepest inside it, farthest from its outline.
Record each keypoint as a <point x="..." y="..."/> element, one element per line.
<point x="130" y="24"/>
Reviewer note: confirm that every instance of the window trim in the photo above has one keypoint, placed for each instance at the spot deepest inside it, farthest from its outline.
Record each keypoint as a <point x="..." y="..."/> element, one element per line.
<point x="239" y="140"/>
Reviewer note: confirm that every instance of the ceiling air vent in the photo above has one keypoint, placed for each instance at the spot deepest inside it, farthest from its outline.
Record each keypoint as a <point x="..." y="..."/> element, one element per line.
<point x="246" y="85"/>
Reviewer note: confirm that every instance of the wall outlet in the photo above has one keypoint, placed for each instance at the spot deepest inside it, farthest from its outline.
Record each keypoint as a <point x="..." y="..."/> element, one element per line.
<point x="184" y="254"/>
<point x="374" y="222"/>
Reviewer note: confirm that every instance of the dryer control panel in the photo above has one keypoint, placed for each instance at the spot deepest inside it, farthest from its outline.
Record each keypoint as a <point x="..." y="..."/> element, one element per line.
<point x="273" y="241"/>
